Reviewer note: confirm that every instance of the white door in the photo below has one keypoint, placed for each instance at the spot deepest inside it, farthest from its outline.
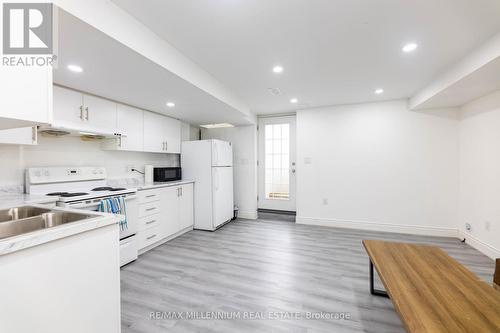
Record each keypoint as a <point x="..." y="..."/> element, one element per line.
<point x="100" y="114"/>
<point x="172" y="135"/>
<point x="154" y="140"/>
<point x="68" y="108"/>
<point x="130" y="121"/>
<point x="26" y="94"/>
<point x="222" y="153"/>
<point x="186" y="217"/>
<point x="222" y="195"/>
<point x="169" y="210"/>
<point x="277" y="166"/>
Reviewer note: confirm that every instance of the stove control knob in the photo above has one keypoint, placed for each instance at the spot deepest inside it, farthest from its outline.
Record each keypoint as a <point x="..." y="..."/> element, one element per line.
<point x="46" y="173"/>
<point x="94" y="172"/>
<point x="38" y="173"/>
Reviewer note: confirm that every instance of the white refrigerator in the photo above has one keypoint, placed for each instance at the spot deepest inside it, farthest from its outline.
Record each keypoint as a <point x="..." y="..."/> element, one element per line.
<point x="210" y="164"/>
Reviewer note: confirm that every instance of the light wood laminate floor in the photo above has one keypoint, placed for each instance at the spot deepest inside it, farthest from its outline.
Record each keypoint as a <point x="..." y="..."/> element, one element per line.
<point x="266" y="269"/>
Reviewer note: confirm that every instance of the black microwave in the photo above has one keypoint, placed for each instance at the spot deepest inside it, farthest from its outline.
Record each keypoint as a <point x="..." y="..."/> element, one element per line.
<point x="166" y="174"/>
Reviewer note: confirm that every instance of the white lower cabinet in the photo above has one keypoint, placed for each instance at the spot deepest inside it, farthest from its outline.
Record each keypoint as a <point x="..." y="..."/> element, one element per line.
<point x="164" y="212"/>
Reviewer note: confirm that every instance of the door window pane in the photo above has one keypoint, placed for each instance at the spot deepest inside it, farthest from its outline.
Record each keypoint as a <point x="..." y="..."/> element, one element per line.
<point x="277" y="169"/>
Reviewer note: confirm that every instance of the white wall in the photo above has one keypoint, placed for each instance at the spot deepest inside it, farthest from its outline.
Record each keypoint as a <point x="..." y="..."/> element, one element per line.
<point x="244" y="141"/>
<point x="378" y="166"/>
<point x="480" y="174"/>
<point x="71" y="151"/>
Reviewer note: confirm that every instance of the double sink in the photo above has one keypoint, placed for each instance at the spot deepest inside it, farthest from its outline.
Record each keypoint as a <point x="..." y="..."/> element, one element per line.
<point x="21" y="220"/>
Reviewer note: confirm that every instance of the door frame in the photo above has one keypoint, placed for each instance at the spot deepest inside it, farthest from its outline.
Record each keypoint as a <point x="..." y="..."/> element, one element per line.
<point x="277" y="204"/>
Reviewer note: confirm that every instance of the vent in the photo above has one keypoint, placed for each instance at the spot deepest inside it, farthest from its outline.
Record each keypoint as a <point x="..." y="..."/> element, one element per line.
<point x="53" y="132"/>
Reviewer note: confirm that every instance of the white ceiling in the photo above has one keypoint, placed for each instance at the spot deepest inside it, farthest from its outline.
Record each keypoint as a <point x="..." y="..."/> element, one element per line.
<point x="333" y="51"/>
<point x="116" y="72"/>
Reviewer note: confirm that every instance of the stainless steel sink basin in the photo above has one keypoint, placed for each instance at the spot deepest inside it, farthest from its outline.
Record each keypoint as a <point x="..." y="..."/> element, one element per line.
<point x="45" y="220"/>
<point x="18" y="213"/>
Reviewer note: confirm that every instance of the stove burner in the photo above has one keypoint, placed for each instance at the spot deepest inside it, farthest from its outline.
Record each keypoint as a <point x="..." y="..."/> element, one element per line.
<point x="117" y="189"/>
<point x="77" y="194"/>
<point x="105" y="188"/>
<point x="57" y="193"/>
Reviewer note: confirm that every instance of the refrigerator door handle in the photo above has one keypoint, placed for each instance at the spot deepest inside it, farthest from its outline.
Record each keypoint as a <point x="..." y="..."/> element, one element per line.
<point x="216" y="179"/>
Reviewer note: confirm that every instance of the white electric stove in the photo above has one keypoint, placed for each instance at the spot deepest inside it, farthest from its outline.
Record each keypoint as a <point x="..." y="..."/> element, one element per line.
<point x="85" y="188"/>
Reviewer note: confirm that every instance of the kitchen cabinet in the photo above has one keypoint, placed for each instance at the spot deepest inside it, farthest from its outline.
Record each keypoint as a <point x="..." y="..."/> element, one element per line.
<point x="186" y="204"/>
<point x="68" y="108"/>
<point x="161" y="134"/>
<point x="75" y="110"/>
<point x="170" y="210"/>
<point x="172" y="130"/>
<point x="26" y="96"/>
<point x="100" y="113"/>
<point x="164" y="213"/>
<point x="129" y="121"/>
<point x="19" y="136"/>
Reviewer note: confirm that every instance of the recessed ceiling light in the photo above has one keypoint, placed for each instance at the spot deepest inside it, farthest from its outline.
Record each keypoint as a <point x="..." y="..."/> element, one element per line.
<point x="75" y="68"/>
<point x="294" y="100"/>
<point x="379" y="91"/>
<point x="278" y="69"/>
<point x="221" y="125"/>
<point x="170" y="104"/>
<point x="410" y="47"/>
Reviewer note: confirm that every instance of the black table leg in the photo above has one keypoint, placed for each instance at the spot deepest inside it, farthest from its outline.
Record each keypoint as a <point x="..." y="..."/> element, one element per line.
<point x="374" y="291"/>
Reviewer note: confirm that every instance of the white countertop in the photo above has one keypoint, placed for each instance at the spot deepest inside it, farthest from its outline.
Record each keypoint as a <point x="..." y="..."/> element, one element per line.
<point x="16" y="243"/>
<point x="164" y="184"/>
<point x="9" y="200"/>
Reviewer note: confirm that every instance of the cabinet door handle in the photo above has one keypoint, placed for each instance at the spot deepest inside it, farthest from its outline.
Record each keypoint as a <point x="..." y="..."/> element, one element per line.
<point x="151" y="196"/>
<point x="180" y="188"/>
<point x="152" y="221"/>
<point x="151" y="237"/>
<point x="81" y="112"/>
<point x="87" y="112"/>
<point x="166" y="145"/>
<point x="150" y="209"/>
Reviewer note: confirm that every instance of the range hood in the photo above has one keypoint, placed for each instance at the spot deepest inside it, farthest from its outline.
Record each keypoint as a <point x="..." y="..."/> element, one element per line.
<point x="52" y="130"/>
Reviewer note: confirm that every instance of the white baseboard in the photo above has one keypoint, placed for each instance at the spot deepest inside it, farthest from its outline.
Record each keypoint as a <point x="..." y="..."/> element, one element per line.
<point x="247" y="214"/>
<point x="481" y="246"/>
<point x="376" y="226"/>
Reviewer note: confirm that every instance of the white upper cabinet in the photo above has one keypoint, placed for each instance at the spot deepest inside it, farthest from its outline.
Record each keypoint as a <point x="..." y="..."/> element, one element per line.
<point x="19" y="136"/>
<point x="172" y="128"/>
<point x="142" y="130"/>
<point x="75" y="110"/>
<point x="26" y="96"/>
<point x="68" y="108"/>
<point x="154" y="134"/>
<point x="161" y="134"/>
<point x="130" y="122"/>
<point x="100" y="113"/>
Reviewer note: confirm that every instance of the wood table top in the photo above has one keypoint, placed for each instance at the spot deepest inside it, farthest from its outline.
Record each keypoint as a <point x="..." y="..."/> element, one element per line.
<point x="431" y="291"/>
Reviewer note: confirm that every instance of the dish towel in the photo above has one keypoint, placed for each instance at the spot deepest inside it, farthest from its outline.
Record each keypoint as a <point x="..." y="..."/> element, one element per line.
<point x="115" y="206"/>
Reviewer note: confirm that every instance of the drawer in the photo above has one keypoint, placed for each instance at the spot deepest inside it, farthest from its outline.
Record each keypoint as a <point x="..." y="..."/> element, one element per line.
<point x="148" y="222"/>
<point x="148" y="196"/>
<point x="149" y="236"/>
<point x="149" y="209"/>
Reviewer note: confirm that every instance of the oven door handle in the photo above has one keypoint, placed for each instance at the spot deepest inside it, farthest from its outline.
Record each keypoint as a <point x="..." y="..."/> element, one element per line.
<point x="95" y="203"/>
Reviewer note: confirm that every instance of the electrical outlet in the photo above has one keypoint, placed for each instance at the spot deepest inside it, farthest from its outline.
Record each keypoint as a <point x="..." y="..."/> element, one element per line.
<point x="468" y="226"/>
<point x="487" y="225"/>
